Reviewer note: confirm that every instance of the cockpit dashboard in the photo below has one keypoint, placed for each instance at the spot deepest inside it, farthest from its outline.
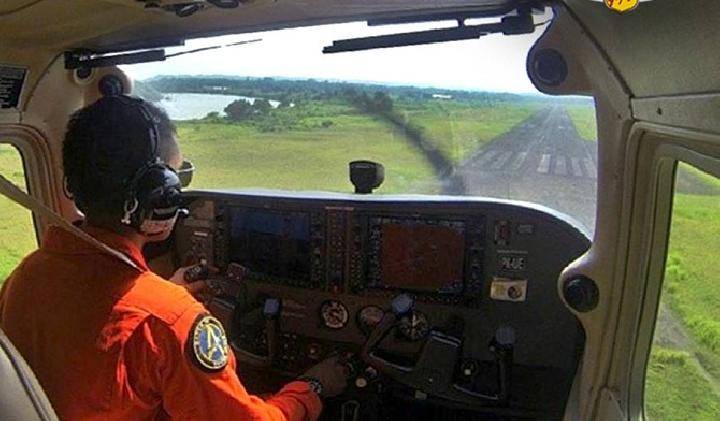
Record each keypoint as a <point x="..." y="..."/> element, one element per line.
<point x="306" y="276"/>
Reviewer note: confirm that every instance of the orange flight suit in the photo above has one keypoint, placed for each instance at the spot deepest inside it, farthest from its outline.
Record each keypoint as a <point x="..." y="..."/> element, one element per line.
<point x="108" y="342"/>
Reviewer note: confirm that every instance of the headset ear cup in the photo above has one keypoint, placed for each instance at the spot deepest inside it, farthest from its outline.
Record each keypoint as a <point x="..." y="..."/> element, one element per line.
<point x="157" y="188"/>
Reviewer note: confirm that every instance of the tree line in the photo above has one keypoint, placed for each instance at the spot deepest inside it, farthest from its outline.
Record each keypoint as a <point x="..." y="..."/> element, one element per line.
<point x="297" y="91"/>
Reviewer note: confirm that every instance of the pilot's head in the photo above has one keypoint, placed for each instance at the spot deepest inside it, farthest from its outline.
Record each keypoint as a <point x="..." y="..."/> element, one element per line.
<point x="119" y="156"/>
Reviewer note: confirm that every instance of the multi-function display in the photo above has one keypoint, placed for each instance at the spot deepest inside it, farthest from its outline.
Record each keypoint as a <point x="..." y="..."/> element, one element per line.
<point x="421" y="255"/>
<point x="271" y="243"/>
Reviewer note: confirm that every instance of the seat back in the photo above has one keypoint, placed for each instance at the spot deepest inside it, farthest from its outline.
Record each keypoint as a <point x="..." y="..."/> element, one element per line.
<point x="21" y="397"/>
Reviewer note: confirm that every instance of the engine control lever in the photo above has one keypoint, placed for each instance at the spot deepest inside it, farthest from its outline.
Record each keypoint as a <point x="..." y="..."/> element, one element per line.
<point x="271" y="313"/>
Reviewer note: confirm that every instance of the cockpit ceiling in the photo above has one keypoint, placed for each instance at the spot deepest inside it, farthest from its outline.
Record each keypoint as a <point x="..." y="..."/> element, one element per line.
<point x="103" y="25"/>
<point x="664" y="47"/>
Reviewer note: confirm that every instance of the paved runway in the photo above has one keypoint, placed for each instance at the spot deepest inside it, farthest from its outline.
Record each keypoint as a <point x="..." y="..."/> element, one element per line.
<point x="542" y="160"/>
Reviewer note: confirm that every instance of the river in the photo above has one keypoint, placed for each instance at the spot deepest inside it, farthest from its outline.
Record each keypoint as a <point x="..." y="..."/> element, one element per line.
<point x="194" y="106"/>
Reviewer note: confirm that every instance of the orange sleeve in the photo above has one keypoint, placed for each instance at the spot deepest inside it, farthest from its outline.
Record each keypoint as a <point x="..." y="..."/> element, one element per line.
<point x="160" y="369"/>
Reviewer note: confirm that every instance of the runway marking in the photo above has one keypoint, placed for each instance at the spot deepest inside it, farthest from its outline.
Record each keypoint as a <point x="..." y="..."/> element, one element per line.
<point x="544" y="166"/>
<point x="560" y="165"/>
<point x="575" y="164"/>
<point x="502" y="160"/>
<point x="518" y="161"/>
<point x="590" y="168"/>
<point x="486" y="158"/>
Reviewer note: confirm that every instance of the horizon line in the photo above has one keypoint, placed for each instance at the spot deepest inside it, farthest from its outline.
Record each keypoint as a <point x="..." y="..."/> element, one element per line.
<point x="356" y="81"/>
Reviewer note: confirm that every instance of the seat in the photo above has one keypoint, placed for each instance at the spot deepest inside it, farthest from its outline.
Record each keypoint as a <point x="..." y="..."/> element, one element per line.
<point x="21" y="397"/>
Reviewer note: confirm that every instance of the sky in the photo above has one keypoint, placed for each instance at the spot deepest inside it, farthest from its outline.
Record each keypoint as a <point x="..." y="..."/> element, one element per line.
<point x="491" y="63"/>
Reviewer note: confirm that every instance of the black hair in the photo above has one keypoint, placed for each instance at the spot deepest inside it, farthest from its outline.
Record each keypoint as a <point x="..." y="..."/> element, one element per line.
<point x="106" y="143"/>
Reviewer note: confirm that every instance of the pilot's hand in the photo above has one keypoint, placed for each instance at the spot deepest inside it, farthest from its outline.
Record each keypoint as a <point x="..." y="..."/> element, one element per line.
<point x="331" y="374"/>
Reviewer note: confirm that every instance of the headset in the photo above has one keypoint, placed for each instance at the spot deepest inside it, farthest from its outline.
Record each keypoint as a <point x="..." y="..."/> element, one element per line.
<point x="152" y="196"/>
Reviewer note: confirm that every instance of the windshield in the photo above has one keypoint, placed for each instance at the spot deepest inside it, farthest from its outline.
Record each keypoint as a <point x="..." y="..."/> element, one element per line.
<point x="458" y="118"/>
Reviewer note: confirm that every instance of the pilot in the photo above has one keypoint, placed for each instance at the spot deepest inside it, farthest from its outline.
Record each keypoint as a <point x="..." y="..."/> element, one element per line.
<point x="107" y="338"/>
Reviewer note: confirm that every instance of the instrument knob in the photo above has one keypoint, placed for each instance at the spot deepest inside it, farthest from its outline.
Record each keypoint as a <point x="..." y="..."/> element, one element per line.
<point x="505" y="336"/>
<point x="402" y="304"/>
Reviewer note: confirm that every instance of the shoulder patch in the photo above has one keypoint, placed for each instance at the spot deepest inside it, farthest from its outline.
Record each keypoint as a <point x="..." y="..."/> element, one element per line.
<point x="208" y="344"/>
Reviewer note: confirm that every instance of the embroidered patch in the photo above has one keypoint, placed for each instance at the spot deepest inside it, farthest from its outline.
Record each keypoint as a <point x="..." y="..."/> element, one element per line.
<point x="209" y="344"/>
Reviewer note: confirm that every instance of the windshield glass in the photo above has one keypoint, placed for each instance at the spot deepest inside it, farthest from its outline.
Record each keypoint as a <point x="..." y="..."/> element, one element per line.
<point x="458" y="118"/>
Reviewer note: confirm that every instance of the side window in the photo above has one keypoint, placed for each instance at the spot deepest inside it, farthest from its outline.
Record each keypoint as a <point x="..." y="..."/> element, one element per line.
<point x="683" y="373"/>
<point x="17" y="231"/>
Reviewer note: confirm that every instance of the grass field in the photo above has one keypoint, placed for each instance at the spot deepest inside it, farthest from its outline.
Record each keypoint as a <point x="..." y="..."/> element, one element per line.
<point x="17" y="233"/>
<point x="239" y="156"/>
<point x="583" y="116"/>
<point x="677" y="391"/>
<point x="684" y="377"/>
<point x="457" y="129"/>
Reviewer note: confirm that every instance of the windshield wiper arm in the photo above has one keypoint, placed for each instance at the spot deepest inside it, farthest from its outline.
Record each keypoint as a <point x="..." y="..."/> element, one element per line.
<point x="508" y="25"/>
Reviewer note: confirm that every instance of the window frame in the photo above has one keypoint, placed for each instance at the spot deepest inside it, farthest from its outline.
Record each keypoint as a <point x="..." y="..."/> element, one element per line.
<point x="665" y="147"/>
<point x="35" y="154"/>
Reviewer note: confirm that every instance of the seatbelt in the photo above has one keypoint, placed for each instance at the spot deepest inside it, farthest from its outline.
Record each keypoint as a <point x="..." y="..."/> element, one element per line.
<point x="13" y="192"/>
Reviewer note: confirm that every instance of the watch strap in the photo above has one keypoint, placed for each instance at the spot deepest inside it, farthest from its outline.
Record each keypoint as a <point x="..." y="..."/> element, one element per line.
<point x="315" y="385"/>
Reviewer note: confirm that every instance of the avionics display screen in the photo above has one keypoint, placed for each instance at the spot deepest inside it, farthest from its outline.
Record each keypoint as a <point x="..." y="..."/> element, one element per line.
<point x="417" y="255"/>
<point x="275" y="244"/>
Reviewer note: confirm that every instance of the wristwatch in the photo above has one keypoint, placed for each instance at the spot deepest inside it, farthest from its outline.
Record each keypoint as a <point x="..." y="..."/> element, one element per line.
<point x="315" y="385"/>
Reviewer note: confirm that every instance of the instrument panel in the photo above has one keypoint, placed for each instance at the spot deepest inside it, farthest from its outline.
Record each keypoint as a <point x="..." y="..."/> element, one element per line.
<point x="307" y="276"/>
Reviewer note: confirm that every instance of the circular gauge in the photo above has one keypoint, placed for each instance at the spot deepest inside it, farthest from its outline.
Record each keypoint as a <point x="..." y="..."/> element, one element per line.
<point x="414" y="326"/>
<point x="369" y="317"/>
<point x="334" y="314"/>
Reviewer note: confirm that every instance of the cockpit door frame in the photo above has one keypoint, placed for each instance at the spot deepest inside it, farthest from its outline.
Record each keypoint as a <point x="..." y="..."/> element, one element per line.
<point x="37" y="162"/>
<point x="653" y="151"/>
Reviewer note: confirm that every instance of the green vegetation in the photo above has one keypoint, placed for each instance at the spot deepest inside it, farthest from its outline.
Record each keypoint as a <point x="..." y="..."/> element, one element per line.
<point x="677" y="391"/>
<point x="298" y="91"/>
<point x="312" y="114"/>
<point x="456" y="129"/>
<point x="684" y="377"/>
<point x="583" y="117"/>
<point x="229" y="155"/>
<point x="452" y="123"/>
<point x="692" y="282"/>
<point x="17" y="232"/>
